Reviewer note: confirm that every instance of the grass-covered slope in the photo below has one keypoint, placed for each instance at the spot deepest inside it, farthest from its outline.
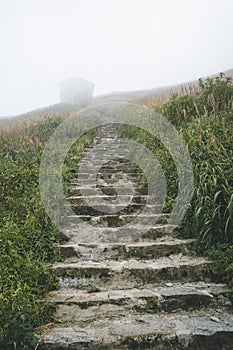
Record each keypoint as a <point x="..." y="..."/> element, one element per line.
<point x="205" y="121"/>
<point x="27" y="237"/>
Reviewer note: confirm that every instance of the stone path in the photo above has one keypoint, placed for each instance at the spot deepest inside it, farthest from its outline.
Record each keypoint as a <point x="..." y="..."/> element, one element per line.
<point x="126" y="285"/>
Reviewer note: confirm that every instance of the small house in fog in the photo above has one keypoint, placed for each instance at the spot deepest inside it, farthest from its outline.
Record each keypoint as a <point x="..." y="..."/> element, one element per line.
<point x="76" y="90"/>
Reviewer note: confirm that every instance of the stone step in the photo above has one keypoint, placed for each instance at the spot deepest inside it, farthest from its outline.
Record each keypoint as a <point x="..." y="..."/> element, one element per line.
<point x="99" y="185"/>
<point x="104" y="176"/>
<point x="105" y="173"/>
<point x="121" y="157"/>
<point x="103" y="147"/>
<point x="77" y="305"/>
<point x="104" y="180"/>
<point x="116" y="220"/>
<point x="110" y="160"/>
<point x="125" y="168"/>
<point x="110" y="173"/>
<point x="132" y="273"/>
<point x="106" y="153"/>
<point x="86" y="233"/>
<point x="77" y="191"/>
<point x="84" y="209"/>
<point x="106" y="160"/>
<point x="116" y="145"/>
<point x="117" y="251"/>
<point x="121" y="199"/>
<point x="198" y="330"/>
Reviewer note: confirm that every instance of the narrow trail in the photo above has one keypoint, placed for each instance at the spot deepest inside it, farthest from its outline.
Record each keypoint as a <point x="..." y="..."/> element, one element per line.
<point x="124" y="289"/>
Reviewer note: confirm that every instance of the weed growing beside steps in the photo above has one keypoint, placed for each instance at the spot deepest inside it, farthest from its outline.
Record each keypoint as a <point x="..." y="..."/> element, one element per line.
<point x="27" y="237"/>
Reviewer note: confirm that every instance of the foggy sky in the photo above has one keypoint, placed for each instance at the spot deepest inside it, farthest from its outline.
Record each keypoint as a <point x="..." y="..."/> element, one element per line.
<point x="116" y="44"/>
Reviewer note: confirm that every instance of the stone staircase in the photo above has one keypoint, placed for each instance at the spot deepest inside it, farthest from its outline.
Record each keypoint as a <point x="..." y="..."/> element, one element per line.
<point x="125" y="285"/>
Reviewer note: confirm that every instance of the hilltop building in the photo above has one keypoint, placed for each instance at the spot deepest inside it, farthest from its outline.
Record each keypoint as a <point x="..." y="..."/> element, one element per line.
<point x="76" y="90"/>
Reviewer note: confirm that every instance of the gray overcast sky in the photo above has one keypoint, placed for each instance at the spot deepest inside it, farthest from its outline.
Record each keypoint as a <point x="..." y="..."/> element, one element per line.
<point x="117" y="44"/>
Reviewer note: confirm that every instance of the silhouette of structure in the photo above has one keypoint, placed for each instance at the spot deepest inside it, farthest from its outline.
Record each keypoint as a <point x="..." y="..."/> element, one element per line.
<point x="76" y="90"/>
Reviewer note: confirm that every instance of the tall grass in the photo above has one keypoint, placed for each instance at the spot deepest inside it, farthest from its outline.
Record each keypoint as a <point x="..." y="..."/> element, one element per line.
<point x="205" y="121"/>
<point x="28" y="240"/>
<point x="163" y="95"/>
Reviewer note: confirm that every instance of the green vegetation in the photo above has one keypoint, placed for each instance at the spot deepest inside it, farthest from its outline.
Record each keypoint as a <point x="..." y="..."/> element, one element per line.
<point x="205" y="121"/>
<point x="28" y="239"/>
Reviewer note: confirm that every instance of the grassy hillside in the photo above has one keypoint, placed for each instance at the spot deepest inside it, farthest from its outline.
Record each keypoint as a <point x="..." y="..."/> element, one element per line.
<point x="159" y="96"/>
<point x="150" y="97"/>
<point x="27" y="237"/>
<point x="205" y="121"/>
